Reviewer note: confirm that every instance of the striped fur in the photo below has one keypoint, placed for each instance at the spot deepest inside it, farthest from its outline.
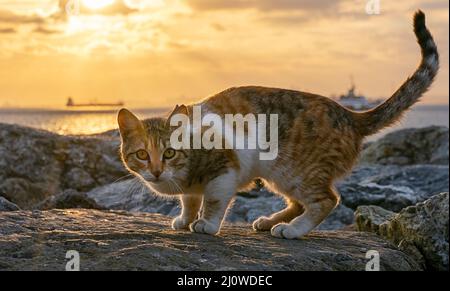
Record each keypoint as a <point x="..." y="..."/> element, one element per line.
<point x="319" y="142"/>
<point x="410" y="92"/>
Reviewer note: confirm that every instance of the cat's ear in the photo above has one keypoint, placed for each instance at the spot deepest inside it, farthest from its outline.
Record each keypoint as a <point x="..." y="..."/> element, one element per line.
<point x="128" y="122"/>
<point x="179" y="109"/>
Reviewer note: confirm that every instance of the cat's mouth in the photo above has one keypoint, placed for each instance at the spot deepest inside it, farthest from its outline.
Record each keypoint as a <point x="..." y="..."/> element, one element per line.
<point x="165" y="186"/>
<point x="151" y="179"/>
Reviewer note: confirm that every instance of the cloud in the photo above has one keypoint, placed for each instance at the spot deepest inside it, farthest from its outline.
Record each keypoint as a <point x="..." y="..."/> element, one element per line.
<point x="266" y="5"/>
<point x="142" y="4"/>
<point x="116" y="8"/>
<point x="10" y="17"/>
<point x="7" y="30"/>
<point x="434" y="5"/>
<point x="43" y="30"/>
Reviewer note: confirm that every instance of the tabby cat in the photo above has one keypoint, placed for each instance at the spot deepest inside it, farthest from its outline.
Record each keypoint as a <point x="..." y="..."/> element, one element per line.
<point x="319" y="142"/>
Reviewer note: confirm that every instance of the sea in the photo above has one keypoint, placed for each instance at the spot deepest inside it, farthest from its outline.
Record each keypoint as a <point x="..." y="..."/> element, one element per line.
<point x="96" y="120"/>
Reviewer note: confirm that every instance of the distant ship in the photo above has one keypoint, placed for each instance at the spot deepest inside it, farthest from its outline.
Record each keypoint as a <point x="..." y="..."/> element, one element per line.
<point x="356" y="102"/>
<point x="71" y="103"/>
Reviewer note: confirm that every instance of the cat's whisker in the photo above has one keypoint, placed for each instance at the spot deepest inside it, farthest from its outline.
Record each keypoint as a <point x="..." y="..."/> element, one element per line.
<point x="143" y="189"/>
<point x="136" y="184"/>
<point x="177" y="185"/>
<point x="122" y="178"/>
<point x="171" y="186"/>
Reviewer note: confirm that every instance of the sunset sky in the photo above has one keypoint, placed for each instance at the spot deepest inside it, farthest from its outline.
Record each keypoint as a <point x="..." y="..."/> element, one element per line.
<point x="163" y="52"/>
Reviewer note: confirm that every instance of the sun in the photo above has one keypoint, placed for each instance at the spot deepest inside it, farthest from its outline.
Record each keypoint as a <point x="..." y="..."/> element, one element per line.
<point x="97" y="4"/>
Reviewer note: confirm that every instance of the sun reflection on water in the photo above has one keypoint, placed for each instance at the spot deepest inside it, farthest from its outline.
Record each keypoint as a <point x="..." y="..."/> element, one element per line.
<point x="70" y="122"/>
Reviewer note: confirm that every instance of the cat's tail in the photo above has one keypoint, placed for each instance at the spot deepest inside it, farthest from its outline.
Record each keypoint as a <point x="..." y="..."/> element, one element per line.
<point x="389" y="112"/>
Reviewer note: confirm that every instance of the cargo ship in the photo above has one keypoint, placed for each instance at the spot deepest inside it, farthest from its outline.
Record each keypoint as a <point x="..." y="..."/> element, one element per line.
<point x="71" y="103"/>
<point x="353" y="101"/>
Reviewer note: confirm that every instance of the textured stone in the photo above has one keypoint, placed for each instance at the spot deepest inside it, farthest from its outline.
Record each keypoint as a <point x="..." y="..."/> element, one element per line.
<point x="5" y="205"/>
<point x="124" y="241"/>
<point x="369" y="218"/>
<point x="35" y="164"/>
<point x="68" y="199"/>
<point x="393" y="187"/>
<point x="427" y="145"/>
<point x="420" y="230"/>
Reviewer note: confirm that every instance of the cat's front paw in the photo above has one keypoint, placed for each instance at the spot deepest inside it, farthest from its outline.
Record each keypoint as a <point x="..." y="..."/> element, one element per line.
<point x="285" y="230"/>
<point x="180" y="222"/>
<point x="262" y="224"/>
<point x="204" y="226"/>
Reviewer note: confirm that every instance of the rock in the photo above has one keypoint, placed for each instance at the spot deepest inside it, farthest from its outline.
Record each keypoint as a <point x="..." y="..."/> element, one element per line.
<point x="68" y="199"/>
<point x="247" y="207"/>
<point x="340" y="218"/>
<point x="5" y="205"/>
<point x="124" y="241"/>
<point x="427" y="145"/>
<point x="393" y="187"/>
<point x="23" y="192"/>
<point x="35" y="164"/>
<point x="420" y="230"/>
<point x="390" y="187"/>
<point x="131" y="195"/>
<point x="369" y="218"/>
<point x="79" y="179"/>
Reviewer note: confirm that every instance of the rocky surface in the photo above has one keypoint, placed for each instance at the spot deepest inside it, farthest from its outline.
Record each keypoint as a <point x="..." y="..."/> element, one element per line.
<point x="427" y="145"/>
<point x="69" y="199"/>
<point x="37" y="167"/>
<point x="370" y="217"/>
<point x="393" y="187"/>
<point x="124" y="241"/>
<point x="421" y="230"/>
<point x="41" y="170"/>
<point x="36" y="164"/>
<point x="130" y="195"/>
<point x="5" y="205"/>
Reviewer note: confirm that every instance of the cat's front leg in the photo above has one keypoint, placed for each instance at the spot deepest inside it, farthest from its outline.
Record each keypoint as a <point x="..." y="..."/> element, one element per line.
<point x="217" y="198"/>
<point x="190" y="205"/>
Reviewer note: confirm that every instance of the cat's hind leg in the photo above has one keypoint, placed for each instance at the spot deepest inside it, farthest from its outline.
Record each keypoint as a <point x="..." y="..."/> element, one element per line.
<point x="318" y="203"/>
<point x="190" y="206"/>
<point x="292" y="210"/>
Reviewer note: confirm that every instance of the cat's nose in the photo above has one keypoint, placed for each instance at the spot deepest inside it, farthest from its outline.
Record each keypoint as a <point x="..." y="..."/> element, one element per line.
<point x="156" y="173"/>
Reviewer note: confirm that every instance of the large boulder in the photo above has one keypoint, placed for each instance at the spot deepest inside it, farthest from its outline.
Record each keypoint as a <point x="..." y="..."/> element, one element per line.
<point x="393" y="187"/>
<point x="131" y="195"/>
<point x="370" y="217"/>
<point x="68" y="199"/>
<point x="421" y="230"/>
<point x="125" y="241"/>
<point x="35" y="164"/>
<point x="427" y="145"/>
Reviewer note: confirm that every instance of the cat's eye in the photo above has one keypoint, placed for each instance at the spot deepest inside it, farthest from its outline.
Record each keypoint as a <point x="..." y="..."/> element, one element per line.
<point x="169" y="153"/>
<point x="142" y="155"/>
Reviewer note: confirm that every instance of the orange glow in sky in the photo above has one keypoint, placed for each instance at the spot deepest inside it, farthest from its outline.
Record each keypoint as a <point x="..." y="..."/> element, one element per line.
<point x="96" y="4"/>
<point x="162" y="52"/>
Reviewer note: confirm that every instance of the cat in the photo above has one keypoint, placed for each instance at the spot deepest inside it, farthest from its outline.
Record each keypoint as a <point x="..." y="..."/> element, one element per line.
<point x="319" y="142"/>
